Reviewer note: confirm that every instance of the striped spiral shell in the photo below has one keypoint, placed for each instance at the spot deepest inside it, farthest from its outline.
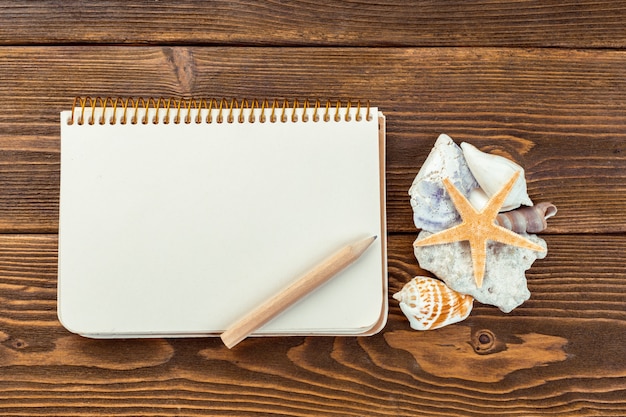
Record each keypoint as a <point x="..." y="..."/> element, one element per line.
<point x="428" y="303"/>
<point x="527" y="219"/>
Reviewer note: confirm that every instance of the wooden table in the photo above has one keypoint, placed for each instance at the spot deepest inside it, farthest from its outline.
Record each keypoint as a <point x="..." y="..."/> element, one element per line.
<point x="539" y="81"/>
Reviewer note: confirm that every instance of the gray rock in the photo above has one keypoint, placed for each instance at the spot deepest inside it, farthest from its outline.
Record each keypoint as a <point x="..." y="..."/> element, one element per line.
<point x="504" y="284"/>
<point x="433" y="209"/>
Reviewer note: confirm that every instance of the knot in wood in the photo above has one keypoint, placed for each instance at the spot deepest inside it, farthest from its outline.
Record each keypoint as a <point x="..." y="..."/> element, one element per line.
<point x="484" y="342"/>
<point x="16" y="343"/>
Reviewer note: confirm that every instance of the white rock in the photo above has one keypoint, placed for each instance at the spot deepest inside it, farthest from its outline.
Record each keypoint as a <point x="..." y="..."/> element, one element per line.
<point x="504" y="284"/>
<point x="433" y="209"/>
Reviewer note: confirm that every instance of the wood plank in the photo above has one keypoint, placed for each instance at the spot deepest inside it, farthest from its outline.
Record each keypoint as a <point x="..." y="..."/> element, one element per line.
<point x="560" y="113"/>
<point x="581" y="24"/>
<point x="558" y="284"/>
<point x="558" y="354"/>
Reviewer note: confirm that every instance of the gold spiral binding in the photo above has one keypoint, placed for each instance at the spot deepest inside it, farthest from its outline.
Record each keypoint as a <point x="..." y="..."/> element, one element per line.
<point x="305" y="116"/>
<point x="84" y="110"/>
<point x="316" y="118"/>
<point x="251" y="118"/>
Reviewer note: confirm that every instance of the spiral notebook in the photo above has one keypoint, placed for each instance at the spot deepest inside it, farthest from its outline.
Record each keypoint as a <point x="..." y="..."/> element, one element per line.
<point x="179" y="216"/>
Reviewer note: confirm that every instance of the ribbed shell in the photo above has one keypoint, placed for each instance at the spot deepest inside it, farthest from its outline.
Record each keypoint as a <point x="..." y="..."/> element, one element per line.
<point x="527" y="219"/>
<point x="428" y="303"/>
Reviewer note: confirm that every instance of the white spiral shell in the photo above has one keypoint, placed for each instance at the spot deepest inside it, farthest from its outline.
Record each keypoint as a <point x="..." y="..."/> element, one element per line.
<point x="492" y="172"/>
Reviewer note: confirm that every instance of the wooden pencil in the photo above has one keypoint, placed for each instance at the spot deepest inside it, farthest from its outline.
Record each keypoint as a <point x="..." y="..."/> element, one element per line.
<point x="308" y="282"/>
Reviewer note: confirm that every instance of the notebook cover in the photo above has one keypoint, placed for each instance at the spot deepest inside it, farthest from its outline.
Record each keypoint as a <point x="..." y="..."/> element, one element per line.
<point x="180" y="229"/>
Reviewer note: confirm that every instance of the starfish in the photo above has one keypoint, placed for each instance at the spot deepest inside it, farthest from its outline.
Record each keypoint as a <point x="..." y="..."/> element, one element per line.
<point x="478" y="227"/>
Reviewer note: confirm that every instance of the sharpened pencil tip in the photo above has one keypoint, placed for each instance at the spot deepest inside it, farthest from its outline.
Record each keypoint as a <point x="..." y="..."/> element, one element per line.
<point x="360" y="246"/>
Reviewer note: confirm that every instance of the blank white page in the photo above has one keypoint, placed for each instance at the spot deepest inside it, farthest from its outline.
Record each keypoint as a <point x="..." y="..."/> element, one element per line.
<point x="180" y="229"/>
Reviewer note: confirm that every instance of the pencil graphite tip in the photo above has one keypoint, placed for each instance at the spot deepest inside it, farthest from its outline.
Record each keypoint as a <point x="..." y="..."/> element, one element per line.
<point x="360" y="246"/>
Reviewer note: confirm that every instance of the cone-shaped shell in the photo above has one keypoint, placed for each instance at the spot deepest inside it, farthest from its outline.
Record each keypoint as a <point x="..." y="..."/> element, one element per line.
<point x="527" y="219"/>
<point x="492" y="172"/>
<point x="430" y="304"/>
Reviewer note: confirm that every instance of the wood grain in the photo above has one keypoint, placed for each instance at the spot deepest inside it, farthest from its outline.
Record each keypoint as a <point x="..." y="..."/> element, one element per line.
<point x="559" y="354"/>
<point x="559" y="113"/>
<point x="542" y="82"/>
<point x="586" y="23"/>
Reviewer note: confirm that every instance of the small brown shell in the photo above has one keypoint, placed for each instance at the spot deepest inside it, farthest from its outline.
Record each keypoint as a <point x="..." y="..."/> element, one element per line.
<point x="430" y="304"/>
<point x="527" y="219"/>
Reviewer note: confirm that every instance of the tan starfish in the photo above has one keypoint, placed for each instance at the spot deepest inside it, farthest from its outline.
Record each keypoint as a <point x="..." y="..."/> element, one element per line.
<point x="478" y="227"/>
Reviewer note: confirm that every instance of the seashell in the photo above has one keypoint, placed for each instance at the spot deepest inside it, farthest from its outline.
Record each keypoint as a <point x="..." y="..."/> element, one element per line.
<point x="430" y="304"/>
<point x="432" y="207"/>
<point x="492" y="172"/>
<point x="478" y="198"/>
<point x="527" y="219"/>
